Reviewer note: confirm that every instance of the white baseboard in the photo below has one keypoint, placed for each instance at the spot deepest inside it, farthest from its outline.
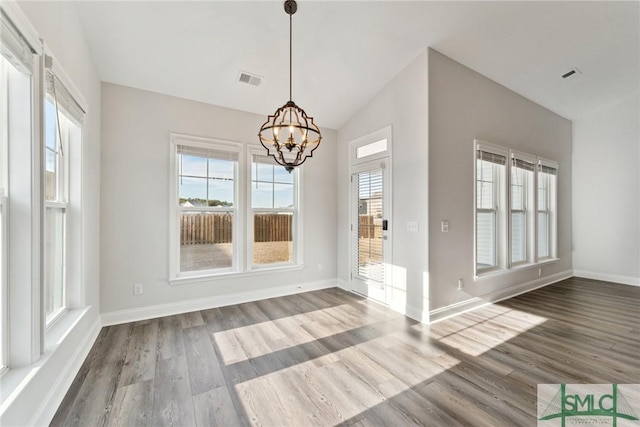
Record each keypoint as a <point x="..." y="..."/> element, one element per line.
<point x="151" y="312"/>
<point x="48" y="407"/>
<point x="344" y="285"/>
<point x="615" y="278"/>
<point x="502" y="294"/>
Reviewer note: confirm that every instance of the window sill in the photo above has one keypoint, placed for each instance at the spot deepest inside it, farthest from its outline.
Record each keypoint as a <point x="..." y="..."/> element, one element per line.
<point x="15" y="380"/>
<point x="64" y="324"/>
<point x="517" y="268"/>
<point x="234" y="274"/>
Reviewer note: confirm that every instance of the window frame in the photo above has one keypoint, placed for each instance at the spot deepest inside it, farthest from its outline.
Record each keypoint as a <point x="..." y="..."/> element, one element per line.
<point x="504" y="228"/>
<point x="296" y="229"/>
<point x="4" y="350"/>
<point x="243" y="228"/>
<point x="4" y="154"/>
<point x="69" y="103"/>
<point x="500" y="202"/>
<point x="550" y="211"/>
<point x="175" y="208"/>
<point x="61" y="202"/>
<point x="528" y="204"/>
<point x="27" y="334"/>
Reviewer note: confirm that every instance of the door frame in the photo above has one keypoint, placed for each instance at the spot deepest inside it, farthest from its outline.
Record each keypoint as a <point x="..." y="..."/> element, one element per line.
<point x="359" y="161"/>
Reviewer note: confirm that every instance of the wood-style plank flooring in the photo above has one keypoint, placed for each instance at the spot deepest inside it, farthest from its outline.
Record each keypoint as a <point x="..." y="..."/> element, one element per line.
<point x="332" y="358"/>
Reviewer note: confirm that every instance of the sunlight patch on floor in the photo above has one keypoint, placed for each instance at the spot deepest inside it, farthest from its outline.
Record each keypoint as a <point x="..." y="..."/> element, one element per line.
<point x="477" y="332"/>
<point x="334" y="384"/>
<point x="273" y="335"/>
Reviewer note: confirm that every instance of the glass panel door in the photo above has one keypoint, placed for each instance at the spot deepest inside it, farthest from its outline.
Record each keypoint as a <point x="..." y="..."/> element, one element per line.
<point x="370" y="231"/>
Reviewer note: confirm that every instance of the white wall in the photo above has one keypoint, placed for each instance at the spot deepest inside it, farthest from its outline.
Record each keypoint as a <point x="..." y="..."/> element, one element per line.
<point x="464" y="105"/>
<point x="606" y="193"/>
<point x="135" y="199"/>
<point x="39" y="388"/>
<point x="403" y="105"/>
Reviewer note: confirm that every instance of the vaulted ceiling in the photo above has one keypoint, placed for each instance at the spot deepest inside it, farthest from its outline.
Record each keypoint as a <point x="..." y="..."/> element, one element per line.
<point x="344" y="52"/>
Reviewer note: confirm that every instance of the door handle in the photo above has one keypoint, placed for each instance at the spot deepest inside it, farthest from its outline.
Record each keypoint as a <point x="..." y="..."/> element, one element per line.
<point x="385" y="225"/>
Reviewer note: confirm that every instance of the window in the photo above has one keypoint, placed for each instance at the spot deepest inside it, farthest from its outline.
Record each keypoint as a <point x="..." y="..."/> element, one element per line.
<point x="16" y="68"/>
<point x="274" y="212"/>
<point x="235" y="209"/>
<point x="520" y="184"/>
<point x="546" y="207"/>
<point x="63" y="123"/>
<point x="371" y="148"/>
<point x="525" y="233"/>
<point x="5" y="69"/>
<point x="207" y="199"/>
<point x="490" y="171"/>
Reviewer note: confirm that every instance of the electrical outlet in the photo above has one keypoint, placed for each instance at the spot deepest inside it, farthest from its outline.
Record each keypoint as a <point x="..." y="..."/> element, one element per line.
<point x="412" y="226"/>
<point x="539" y="272"/>
<point x="444" y="225"/>
<point x="460" y="284"/>
<point x="137" y="289"/>
<point x="319" y="267"/>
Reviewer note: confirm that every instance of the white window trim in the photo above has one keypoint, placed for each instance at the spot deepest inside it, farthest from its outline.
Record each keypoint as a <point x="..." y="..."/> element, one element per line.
<point x="552" y="195"/>
<point x="296" y="227"/>
<point x="175" y="275"/>
<point x="371" y="138"/>
<point x="242" y="227"/>
<point x="529" y="209"/>
<point x="4" y="353"/>
<point x="502" y="200"/>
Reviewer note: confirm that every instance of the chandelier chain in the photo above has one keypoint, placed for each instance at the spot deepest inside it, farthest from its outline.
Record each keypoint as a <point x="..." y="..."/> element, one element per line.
<point x="291" y="57"/>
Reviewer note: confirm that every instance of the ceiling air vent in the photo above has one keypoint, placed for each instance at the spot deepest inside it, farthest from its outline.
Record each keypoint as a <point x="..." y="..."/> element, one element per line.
<point x="248" y="78"/>
<point x="571" y="74"/>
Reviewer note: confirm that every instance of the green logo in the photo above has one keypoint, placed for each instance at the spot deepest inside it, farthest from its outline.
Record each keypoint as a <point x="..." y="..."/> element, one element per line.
<point x="593" y="404"/>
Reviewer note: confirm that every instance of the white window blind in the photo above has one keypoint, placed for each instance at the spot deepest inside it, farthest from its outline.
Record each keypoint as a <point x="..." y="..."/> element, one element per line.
<point x="549" y="170"/>
<point x="209" y="153"/>
<point x="63" y="99"/>
<point x="490" y="157"/>
<point x="369" y="261"/>
<point x="14" y="46"/>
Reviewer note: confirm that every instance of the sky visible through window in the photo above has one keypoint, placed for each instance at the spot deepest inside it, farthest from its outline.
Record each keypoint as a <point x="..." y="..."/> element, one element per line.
<point x="271" y="186"/>
<point x="50" y="136"/>
<point x="212" y="179"/>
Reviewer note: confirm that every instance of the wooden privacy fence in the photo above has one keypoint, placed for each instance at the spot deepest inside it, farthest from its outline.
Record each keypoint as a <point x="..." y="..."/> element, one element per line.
<point x="206" y="228"/>
<point x="368" y="228"/>
<point x="272" y="227"/>
<point x="200" y="228"/>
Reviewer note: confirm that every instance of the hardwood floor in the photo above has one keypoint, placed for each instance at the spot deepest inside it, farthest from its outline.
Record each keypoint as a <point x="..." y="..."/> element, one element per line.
<point x="332" y="358"/>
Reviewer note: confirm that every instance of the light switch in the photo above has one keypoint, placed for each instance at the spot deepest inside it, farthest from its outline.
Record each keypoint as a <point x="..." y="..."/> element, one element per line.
<point x="445" y="226"/>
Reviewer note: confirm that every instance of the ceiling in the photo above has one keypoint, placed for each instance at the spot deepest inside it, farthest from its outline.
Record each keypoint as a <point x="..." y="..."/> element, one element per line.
<point x="345" y="52"/>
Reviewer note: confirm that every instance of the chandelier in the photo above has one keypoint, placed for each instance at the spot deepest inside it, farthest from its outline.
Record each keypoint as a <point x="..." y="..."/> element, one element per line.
<point x="289" y="135"/>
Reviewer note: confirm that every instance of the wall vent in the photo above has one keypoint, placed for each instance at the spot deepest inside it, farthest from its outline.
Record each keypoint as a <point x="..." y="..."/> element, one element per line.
<point x="249" y="78"/>
<point x="571" y="74"/>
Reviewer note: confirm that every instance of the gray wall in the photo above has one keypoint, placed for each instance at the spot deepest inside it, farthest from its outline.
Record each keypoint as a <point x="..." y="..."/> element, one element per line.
<point x="606" y="193"/>
<point x="464" y="105"/>
<point x="135" y="198"/>
<point x="403" y="105"/>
